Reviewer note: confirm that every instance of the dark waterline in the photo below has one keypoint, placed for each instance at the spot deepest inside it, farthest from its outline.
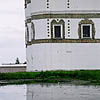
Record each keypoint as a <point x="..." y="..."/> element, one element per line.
<point x="49" y="92"/>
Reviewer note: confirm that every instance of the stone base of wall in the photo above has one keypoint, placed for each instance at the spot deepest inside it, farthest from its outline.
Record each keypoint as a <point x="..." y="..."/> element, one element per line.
<point x="12" y="68"/>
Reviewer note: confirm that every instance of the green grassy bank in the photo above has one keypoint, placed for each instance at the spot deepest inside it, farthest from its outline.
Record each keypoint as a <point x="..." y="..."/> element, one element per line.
<point x="88" y="76"/>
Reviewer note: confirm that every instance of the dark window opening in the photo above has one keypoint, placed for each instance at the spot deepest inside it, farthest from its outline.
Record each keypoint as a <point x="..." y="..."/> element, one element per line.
<point x="86" y="31"/>
<point x="57" y="31"/>
<point x="28" y="1"/>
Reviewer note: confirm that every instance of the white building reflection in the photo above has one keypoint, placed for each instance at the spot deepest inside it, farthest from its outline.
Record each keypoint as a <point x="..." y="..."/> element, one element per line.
<point x="62" y="92"/>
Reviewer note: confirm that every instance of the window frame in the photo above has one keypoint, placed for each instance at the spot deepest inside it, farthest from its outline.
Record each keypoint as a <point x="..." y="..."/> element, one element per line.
<point x="54" y="31"/>
<point x="32" y="31"/>
<point x="82" y="31"/>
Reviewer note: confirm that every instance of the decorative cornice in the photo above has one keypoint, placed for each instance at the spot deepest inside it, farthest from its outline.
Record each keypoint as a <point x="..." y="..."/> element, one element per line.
<point x="63" y="41"/>
<point x="66" y="15"/>
<point x="67" y="12"/>
<point x="43" y="16"/>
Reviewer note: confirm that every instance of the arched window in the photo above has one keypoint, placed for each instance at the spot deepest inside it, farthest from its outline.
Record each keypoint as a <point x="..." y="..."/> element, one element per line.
<point x="57" y="29"/>
<point x="86" y="29"/>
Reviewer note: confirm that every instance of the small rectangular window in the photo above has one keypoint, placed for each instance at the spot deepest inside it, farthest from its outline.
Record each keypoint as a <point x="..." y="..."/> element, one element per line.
<point x="86" y="31"/>
<point x="57" y="31"/>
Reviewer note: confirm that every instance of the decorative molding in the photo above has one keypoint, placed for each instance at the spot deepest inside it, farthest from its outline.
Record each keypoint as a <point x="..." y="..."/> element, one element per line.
<point x="67" y="12"/>
<point x="53" y="22"/>
<point x="27" y="34"/>
<point x="33" y="31"/>
<point x="86" y="21"/>
<point x="28" y="20"/>
<point x="38" y="41"/>
<point x="65" y="15"/>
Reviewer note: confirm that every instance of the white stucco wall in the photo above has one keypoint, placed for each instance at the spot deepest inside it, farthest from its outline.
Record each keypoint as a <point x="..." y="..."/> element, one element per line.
<point x="57" y="6"/>
<point x="28" y="11"/>
<point x="40" y="6"/>
<point x="40" y="29"/>
<point x="65" y="56"/>
<point x="84" y="4"/>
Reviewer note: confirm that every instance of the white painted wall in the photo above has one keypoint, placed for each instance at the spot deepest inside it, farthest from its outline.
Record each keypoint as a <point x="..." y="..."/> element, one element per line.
<point x="73" y="28"/>
<point x="40" y="6"/>
<point x="57" y="6"/>
<point x="40" y="29"/>
<point x="84" y="5"/>
<point x="28" y="11"/>
<point x="65" y="56"/>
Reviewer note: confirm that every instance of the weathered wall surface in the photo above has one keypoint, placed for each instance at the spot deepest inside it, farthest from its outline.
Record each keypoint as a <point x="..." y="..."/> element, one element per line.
<point x="65" y="56"/>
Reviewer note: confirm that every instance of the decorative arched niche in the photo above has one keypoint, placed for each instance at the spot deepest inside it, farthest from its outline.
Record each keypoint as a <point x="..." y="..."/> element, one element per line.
<point x="86" y="29"/>
<point x="57" y="29"/>
<point x="26" y="33"/>
<point x="32" y="31"/>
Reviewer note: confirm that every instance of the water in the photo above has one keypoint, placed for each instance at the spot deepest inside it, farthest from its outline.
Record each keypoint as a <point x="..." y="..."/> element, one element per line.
<point x="13" y="92"/>
<point x="49" y="92"/>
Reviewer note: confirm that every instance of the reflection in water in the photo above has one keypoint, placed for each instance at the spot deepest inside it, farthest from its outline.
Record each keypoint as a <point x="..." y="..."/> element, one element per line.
<point x="13" y="92"/>
<point x="62" y="92"/>
<point x="49" y="92"/>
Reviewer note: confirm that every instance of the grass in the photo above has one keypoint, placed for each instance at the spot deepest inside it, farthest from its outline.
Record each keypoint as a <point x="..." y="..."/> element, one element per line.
<point x="92" y="76"/>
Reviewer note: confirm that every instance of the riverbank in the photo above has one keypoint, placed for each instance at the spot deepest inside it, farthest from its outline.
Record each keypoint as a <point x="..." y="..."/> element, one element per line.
<point x="83" y="77"/>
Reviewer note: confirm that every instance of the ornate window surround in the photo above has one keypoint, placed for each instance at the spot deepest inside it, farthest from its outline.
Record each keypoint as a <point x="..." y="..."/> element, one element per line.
<point x="86" y="22"/>
<point x="27" y="33"/>
<point x="32" y="31"/>
<point x="62" y="23"/>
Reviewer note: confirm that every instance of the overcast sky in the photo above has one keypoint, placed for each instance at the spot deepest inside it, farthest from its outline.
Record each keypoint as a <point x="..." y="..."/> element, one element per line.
<point x="12" y="31"/>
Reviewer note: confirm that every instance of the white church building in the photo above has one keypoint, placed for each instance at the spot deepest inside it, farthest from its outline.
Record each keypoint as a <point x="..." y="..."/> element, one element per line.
<point x="62" y="34"/>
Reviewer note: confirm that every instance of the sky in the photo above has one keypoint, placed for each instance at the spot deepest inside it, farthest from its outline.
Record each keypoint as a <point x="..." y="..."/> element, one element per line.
<point x="12" y="31"/>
